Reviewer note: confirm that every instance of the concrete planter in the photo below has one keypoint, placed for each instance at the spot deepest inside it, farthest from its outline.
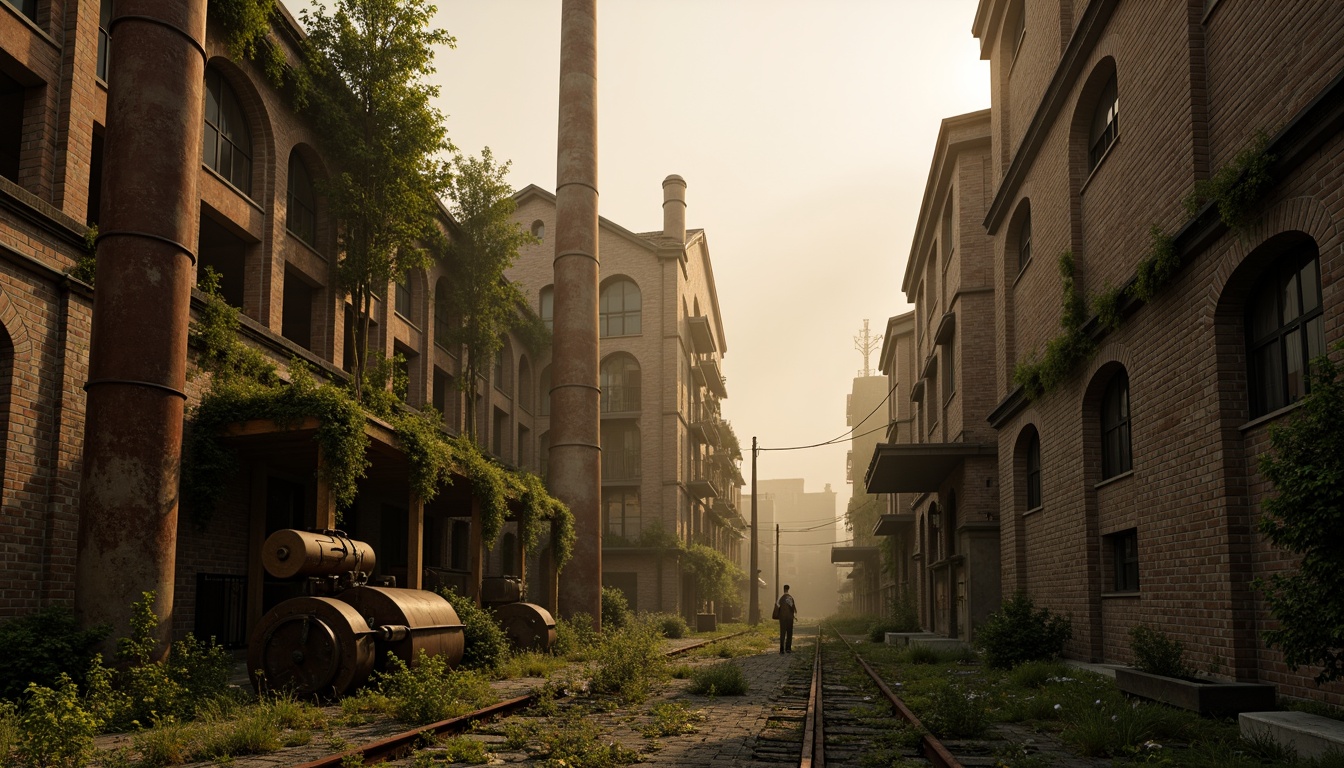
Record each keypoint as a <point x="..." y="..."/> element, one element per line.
<point x="1207" y="697"/>
<point x="706" y="622"/>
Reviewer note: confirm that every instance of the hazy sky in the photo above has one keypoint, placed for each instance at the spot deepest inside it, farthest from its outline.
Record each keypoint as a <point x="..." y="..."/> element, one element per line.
<point x="804" y="131"/>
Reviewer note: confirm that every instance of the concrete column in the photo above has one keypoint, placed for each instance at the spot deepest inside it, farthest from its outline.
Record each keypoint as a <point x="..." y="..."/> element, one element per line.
<point x="415" y="542"/>
<point x="576" y="461"/>
<point x="138" y="357"/>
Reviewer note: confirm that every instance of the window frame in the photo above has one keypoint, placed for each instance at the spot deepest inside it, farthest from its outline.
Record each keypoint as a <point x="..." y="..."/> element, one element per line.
<point x="305" y="228"/>
<point x="1286" y="270"/>
<point x="1116" y="459"/>
<point x="218" y="89"/>
<point x="1125" y="564"/>
<point x="1033" y="474"/>
<point x="1106" y="114"/>
<point x="608" y="316"/>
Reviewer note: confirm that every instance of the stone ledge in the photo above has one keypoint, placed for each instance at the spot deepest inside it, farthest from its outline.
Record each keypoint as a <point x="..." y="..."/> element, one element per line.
<point x="1311" y="735"/>
<point x="904" y="638"/>
<point x="1205" y="697"/>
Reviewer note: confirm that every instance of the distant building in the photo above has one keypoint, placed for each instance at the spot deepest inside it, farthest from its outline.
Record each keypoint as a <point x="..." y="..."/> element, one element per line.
<point x="866" y="415"/>
<point x="948" y="463"/>
<point x="670" y="463"/>
<point x="809" y="526"/>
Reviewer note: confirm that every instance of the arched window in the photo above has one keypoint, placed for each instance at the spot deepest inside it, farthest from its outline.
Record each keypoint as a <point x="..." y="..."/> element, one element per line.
<point x="227" y="144"/>
<point x="620" y="384"/>
<point x="1115" y="450"/>
<point x="1284" y="328"/>
<point x="950" y="523"/>
<point x="1104" y="126"/>
<point x="547" y="308"/>
<point x="525" y="384"/>
<point x="1016" y="27"/>
<point x="442" y="314"/>
<point x="301" y="213"/>
<point x="1024" y="238"/>
<point x="1034" y="471"/>
<point x="539" y="230"/>
<point x="618" y="309"/>
<point x="402" y="301"/>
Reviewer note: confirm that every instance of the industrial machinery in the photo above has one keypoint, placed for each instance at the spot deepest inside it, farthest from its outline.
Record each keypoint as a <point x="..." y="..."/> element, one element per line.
<point x="328" y="642"/>
<point x="527" y="625"/>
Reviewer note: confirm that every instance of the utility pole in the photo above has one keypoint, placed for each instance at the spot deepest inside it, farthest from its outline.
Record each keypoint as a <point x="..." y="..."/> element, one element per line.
<point x="776" y="562"/>
<point x="754" y="602"/>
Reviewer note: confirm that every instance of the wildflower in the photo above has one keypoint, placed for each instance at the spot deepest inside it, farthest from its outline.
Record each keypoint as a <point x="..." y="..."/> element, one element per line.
<point x="1115" y="718"/>
<point x="1150" y="744"/>
<point x="1097" y="703"/>
<point x="1058" y="707"/>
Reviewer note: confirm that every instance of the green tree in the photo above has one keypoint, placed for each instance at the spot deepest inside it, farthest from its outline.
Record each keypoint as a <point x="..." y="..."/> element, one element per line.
<point x="484" y="245"/>
<point x="1306" y="517"/>
<point x="369" y="61"/>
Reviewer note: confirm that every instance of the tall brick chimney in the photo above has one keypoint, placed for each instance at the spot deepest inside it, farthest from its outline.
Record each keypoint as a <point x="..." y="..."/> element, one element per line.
<point x="674" y="208"/>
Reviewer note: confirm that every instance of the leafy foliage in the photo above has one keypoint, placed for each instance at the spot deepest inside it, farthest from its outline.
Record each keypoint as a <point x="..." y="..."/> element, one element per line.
<point x="1158" y="265"/>
<point x="54" y="727"/>
<point x="431" y="691"/>
<point x="1065" y="351"/>
<point x="575" y="638"/>
<point x="672" y="625"/>
<point x="370" y="62"/>
<point x="1017" y="633"/>
<point x="716" y="577"/>
<point x="42" y="646"/>
<point x="1306" y="517"/>
<point x="615" y="608"/>
<point x="486" y="643"/>
<point x="629" y="661"/>
<point x="484" y="246"/>
<point x="1238" y="186"/>
<point x="1156" y="653"/>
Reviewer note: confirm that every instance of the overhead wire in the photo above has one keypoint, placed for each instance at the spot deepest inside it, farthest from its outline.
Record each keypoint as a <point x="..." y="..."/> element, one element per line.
<point x="847" y="434"/>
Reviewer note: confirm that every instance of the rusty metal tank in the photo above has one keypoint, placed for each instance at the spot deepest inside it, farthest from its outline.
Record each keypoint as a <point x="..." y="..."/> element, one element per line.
<point x="291" y="552"/>
<point x="409" y="621"/>
<point x="528" y="626"/>
<point x="312" y="646"/>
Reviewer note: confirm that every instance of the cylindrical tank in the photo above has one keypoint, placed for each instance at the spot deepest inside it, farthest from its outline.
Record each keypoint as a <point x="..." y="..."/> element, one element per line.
<point x="429" y="622"/>
<point x="528" y="626"/>
<point x="313" y="646"/>
<point x="291" y="552"/>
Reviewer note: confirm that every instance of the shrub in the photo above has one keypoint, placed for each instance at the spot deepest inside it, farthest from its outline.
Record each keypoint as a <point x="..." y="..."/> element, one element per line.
<point x="431" y="692"/>
<point x="485" y="641"/>
<point x="1017" y="633"/>
<point x="40" y="647"/>
<point x="9" y="729"/>
<point x="722" y="679"/>
<point x="672" y="718"/>
<point x="54" y="727"/>
<point x="615" y="608"/>
<point x="629" y="661"/>
<point x="672" y="625"/>
<point x="955" y="713"/>
<point x="575" y="638"/>
<point x="1156" y="653"/>
<point x="452" y="750"/>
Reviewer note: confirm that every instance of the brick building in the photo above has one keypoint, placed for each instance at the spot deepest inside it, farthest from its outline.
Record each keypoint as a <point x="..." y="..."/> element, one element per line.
<point x="266" y="231"/>
<point x="1129" y="492"/>
<point x="865" y="415"/>
<point x="940" y="463"/>
<point x="670" y="463"/>
<point x="809" y="528"/>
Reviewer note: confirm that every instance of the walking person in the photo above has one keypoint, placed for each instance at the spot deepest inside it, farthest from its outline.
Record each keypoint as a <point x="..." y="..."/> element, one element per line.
<point x="785" y="610"/>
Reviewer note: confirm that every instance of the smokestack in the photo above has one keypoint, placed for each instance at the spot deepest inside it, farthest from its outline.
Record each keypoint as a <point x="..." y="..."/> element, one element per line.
<point x="674" y="208"/>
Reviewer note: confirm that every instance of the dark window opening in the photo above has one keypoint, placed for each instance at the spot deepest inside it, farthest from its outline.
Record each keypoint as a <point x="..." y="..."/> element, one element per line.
<point x="442" y="314"/>
<point x="508" y="554"/>
<point x="1116" y="457"/>
<point x="548" y="307"/>
<point x="499" y="428"/>
<point x="619" y="309"/>
<point x="544" y="392"/>
<point x="226" y="253"/>
<point x="1024" y="242"/>
<point x="26" y="7"/>
<point x="104" y="38"/>
<point x="524" y="447"/>
<point x="296" y="322"/>
<point x="12" y="97"/>
<point x="1284" y="330"/>
<point x="402" y="303"/>
<point x="1034" y="472"/>
<point x="1105" y="126"/>
<point x="620" y="382"/>
<point x="392" y="537"/>
<point x="1125" y="553"/>
<point x="461" y="545"/>
<point x="94" y="211"/>
<point x="227" y="144"/>
<point x="621" y="454"/>
<point x="301" y="210"/>
<point x="622" y="519"/>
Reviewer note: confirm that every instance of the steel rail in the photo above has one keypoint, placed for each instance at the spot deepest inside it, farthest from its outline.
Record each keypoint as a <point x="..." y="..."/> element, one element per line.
<point x="396" y="745"/>
<point x="814" y="728"/>
<point x="934" y="750"/>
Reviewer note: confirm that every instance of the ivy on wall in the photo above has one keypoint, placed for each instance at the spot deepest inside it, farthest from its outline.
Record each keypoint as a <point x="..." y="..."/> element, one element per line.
<point x="245" y="386"/>
<point x="1234" y="190"/>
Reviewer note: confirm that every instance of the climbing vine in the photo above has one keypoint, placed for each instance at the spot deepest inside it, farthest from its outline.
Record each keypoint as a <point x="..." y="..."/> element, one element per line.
<point x="1158" y="265"/>
<point x="1066" y="350"/>
<point x="1237" y="187"/>
<point x="247" y="28"/>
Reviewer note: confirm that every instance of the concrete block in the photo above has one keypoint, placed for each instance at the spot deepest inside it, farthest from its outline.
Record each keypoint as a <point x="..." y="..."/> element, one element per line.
<point x="1311" y="735"/>
<point x="903" y="638"/>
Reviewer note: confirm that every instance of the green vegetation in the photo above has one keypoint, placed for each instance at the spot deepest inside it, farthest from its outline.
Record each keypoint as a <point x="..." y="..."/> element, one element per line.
<point x="1066" y="350"/>
<point x="1158" y="265"/>
<point x="722" y="679"/>
<point x="1237" y="187"/>
<point x="454" y="750"/>
<point x="430" y="691"/>
<point x="1305" y="516"/>
<point x="575" y="638"/>
<point x="672" y="718"/>
<point x="615" y="609"/>
<point x="629" y="662"/>
<point x="486" y="644"/>
<point x="1018" y="633"/>
<point x="672" y="625"/>
<point x="42" y="646"/>
<point x="1156" y="653"/>
<point x="716" y="577"/>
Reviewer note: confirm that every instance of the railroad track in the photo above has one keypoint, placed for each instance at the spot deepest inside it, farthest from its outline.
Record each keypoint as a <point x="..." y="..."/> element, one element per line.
<point x="851" y="713"/>
<point x="399" y="745"/>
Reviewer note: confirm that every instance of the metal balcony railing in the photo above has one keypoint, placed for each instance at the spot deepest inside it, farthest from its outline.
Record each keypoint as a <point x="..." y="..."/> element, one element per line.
<point x="618" y="465"/>
<point x="620" y="398"/>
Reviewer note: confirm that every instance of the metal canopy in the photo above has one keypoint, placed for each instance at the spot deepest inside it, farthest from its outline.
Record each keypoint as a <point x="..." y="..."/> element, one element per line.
<point x="918" y="467"/>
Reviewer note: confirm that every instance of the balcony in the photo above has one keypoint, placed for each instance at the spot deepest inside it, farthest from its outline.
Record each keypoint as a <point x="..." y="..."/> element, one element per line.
<point x="704" y="482"/>
<point x="620" y="466"/>
<point x="705" y="422"/>
<point x="702" y="336"/>
<point x="620" y="398"/>
<point x="709" y="374"/>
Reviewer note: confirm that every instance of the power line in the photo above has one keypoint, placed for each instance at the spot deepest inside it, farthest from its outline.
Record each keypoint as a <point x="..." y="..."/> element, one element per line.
<point x="847" y="434"/>
<point x="817" y="543"/>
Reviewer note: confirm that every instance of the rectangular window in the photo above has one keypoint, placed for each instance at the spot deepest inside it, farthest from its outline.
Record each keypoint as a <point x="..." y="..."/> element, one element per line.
<point x="26" y="7"/>
<point x="949" y="371"/>
<point x="1125" y="555"/>
<point x="403" y="299"/>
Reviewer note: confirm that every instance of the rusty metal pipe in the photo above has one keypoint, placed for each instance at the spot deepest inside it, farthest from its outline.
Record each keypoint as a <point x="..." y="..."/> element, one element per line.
<point x="576" y="457"/>
<point x="138" y="355"/>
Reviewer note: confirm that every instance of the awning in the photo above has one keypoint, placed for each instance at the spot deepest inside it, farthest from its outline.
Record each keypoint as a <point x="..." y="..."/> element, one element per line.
<point x="855" y="554"/>
<point x="918" y="467"/>
<point x="890" y="525"/>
